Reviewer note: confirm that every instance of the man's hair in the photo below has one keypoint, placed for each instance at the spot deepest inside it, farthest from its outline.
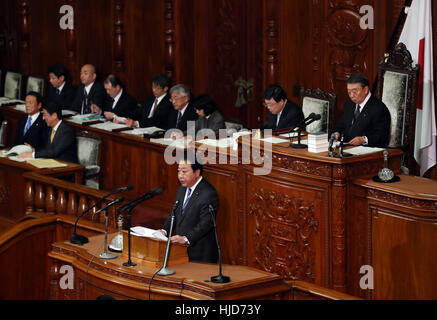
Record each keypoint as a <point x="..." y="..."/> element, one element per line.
<point x="52" y="108"/>
<point x="191" y="158"/>
<point x="161" y="80"/>
<point x="275" y="92"/>
<point x="205" y="103"/>
<point x="58" y="70"/>
<point x="359" y="78"/>
<point x="39" y="98"/>
<point x="181" y="89"/>
<point x="113" y="80"/>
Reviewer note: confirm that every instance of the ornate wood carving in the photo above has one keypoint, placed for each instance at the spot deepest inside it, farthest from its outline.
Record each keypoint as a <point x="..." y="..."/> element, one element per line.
<point x="169" y="38"/>
<point x="25" y="30"/>
<point x="284" y="235"/>
<point x="272" y="52"/>
<point x="5" y="192"/>
<point x="301" y="166"/>
<point x="407" y="202"/>
<point x="118" y="36"/>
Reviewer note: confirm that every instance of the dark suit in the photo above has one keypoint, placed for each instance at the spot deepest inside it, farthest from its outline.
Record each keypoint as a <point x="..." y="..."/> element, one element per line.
<point x="189" y="115"/>
<point x="66" y="97"/>
<point x="373" y="122"/>
<point x="97" y="96"/>
<point x="291" y="116"/>
<point x="215" y="122"/>
<point x="36" y="134"/>
<point x="160" y="117"/>
<point x="63" y="147"/>
<point x="1" y="118"/>
<point x="196" y="222"/>
<point x="126" y="106"/>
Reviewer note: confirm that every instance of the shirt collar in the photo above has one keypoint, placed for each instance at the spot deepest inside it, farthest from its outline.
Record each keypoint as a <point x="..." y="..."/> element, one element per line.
<point x="182" y="111"/>
<point x="61" y="86"/>
<point x="362" y="104"/>
<point x="88" y="87"/>
<point x="57" y="125"/>
<point x="195" y="185"/>
<point x="117" y="97"/>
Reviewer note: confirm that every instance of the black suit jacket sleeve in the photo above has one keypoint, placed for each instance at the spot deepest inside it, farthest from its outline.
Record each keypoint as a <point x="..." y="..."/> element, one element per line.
<point x="35" y="136"/>
<point x="126" y="106"/>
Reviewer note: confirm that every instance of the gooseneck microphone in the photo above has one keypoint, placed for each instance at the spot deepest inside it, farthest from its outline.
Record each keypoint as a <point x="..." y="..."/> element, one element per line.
<point x="80" y="240"/>
<point x="164" y="271"/>
<point x="129" y="207"/>
<point x="132" y="204"/>
<point x="301" y="126"/>
<point x="220" y="278"/>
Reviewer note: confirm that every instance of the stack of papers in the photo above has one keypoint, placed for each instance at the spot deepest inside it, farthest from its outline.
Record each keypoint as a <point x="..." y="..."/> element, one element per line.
<point x="20" y="107"/>
<point x="362" y="150"/>
<point x="109" y="126"/>
<point x="17" y="150"/>
<point x="274" y="140"/>
<point x="46" y="163"/>
<point x="221" y="143"/>
<point x="289" y="135"/>
<point x="143" y="131"/>
<point x="5" y="101"/>
<point x="318" y="143"/>
<point x="147" y="233"/>
<point x="81" y="118"/>
<point x="178" y="143"/>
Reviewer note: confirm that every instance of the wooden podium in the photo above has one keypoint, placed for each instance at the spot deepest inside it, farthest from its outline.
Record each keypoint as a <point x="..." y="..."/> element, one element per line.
<point x="151" y="252"/>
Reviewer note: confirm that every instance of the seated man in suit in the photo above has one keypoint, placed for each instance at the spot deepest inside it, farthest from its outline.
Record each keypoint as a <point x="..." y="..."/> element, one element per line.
<point x="209" y="116"/>
<point x="62" y="92"/>
<point x="118" y="103"/>
<point x="155" y="111"/>
<point x="61" y="143"/>
<point x="283" y="113"/>
<point x="31" y="129"/>
<point x="90" y="95"/>
<point x="183" y="109"/>
<point x="365" y="119"/>
<point x="193" y="224"/>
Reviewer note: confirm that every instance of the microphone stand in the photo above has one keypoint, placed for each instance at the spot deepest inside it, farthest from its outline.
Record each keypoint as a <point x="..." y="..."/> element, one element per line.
<point x="129" y="262"/>
<point x="220" y="278"/>
<point x="106" y="254"/>
<point x="299" y="145"/>
<point x="164" y="271"/>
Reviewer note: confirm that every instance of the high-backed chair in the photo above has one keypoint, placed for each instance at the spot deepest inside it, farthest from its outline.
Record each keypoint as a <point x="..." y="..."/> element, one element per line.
<point x="233" y="126"/>
<point x="397" y="88"/>
<point x="88" y="151"/>
<point x="319" y="102"/>
<point x="3" y="129"/>
<point x="35" y="84"/>
<point x="13" y="85"/>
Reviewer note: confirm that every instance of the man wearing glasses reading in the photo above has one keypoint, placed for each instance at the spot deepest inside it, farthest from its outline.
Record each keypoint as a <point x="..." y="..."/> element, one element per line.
<point x="365" y="119"/>
<point x="283" y="113"/>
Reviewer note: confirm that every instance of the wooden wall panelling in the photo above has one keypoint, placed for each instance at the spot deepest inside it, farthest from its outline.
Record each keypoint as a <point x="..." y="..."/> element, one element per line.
<point x="9" y="20"/>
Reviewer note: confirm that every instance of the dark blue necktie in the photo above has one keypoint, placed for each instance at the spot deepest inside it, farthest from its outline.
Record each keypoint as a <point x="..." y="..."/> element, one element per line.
<point x="179" y="118"/>
<point x="85" y="109"/>
<point x="186" y="200"/>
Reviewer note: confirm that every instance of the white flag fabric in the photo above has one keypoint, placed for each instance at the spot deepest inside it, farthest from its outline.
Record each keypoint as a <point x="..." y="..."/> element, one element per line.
<point x="417" y="36"/>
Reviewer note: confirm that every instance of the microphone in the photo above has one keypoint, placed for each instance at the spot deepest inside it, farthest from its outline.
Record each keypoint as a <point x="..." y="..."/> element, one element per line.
<point x="220" y="278"/>
<point x="164" y="271"/>
<point x="331" y="142"/>
<point x="109" y="205"/>
<point x="137" y="201"/>
<point x="80" y="240"/>
<point x="311" y="118"/>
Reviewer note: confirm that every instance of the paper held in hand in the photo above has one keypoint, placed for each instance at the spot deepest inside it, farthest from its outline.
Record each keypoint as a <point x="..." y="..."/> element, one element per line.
<point x="147" y="233"/>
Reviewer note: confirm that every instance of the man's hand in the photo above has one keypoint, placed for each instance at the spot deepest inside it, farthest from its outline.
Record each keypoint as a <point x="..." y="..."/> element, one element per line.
<point x="131" y="123"/>
<point x="25" y="155"/>
<point x="176" y="135"/>
<point x="357" y="141"/>
<point x="178" y="239"/>
<point x="95" y="108"/>
<point x="109" y="115"/>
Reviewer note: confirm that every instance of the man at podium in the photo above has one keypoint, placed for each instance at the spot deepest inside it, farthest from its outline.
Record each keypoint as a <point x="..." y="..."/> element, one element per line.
<point x="193" y="224"/>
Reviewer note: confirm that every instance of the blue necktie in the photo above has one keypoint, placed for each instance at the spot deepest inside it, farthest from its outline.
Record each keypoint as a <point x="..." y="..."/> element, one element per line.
<point x="186" y="200"/>
<point x="28" y="124"/>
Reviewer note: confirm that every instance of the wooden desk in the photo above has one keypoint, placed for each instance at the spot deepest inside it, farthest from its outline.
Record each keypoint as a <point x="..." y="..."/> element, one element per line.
<point x="12" y="185"/>
<point x="393" y="228"/>
<point x="112" y="278"/>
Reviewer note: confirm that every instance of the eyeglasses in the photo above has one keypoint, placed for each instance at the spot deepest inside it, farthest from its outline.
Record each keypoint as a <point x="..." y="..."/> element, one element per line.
<point x="175" y="99"/>
<point x="269" y="105"/>
<point x="355" y="91"/>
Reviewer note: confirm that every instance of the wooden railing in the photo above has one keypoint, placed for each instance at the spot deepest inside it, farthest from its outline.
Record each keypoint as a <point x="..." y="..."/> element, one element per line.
<point x="52" y="196"/>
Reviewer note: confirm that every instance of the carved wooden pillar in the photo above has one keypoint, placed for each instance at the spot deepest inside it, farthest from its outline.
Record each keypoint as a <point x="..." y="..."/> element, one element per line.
<point x="50" y="201"/>
<point x="24" y="42"/>
<point x="169" y="38"/>
<point x="40" y="198"/>
<point x="61" y="202"/>
<point x="72" y="204"/>
<point x="28" y="197"/>
<point x="338" y="227"/>
<point x="83" y="204"/>
<point x="118" y="37"/>
<point x="271" y="39"/>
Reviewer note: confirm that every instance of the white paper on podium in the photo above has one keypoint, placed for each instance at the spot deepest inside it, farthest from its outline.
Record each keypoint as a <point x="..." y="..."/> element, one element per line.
<point x="362" y="150"/>
<point x="142" y="131"/>
<point x="147" y="233"/>
<point x="108" y="126"/>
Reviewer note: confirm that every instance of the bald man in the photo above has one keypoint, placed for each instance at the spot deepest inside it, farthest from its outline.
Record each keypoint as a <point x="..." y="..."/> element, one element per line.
<point x="90" y="95"/>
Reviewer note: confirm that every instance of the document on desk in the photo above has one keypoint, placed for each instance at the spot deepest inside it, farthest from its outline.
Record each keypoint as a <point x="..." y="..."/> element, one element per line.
<point x="143" y="131"/>
<point x="178" y="143"/>
<point x="363" y="150"/>
<point x="273" y="140"/>
<point x="109" y="126"/>
<point x="20" y="107"/>
<point x="289" y="135"/>
<point x="81" y="118"/>
<point x="220" y="143"/>
<point x="147" y="233"/>
<point x="5" y="101"/>
<point x="17" y="150"/>
<point x="46" y="163"/>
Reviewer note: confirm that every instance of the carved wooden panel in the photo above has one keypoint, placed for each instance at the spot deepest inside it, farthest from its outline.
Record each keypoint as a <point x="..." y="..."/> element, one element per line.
<point x="287" y="230"/>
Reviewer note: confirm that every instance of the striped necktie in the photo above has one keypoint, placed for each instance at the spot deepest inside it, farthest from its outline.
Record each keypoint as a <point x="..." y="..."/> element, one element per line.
<point x="186" y="200"/>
